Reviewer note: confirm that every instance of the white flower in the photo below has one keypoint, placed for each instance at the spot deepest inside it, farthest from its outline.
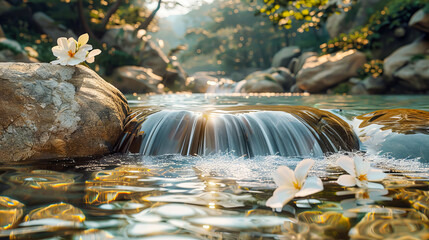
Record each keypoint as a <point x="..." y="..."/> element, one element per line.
<point x="361" y="173"/>
<point x="293" y="184"/>
<point x="72" y="52"/>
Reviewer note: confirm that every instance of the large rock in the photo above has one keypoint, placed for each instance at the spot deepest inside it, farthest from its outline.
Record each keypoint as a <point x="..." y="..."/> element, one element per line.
<point x="134" y="79"/>
<point x="335" y="24"/>
<point x="320" y="73"/>
<point x="259" y="86"/>
<point x="285" y="55"/>
<point x="52" y="111"/>
<point x="296" y="64"/>
<point x="200" y="82"/>
<point x="346" y="21"/>
<point x="420" y="20"/>
<point x="53" y="29"/>
<point x="270" y="80"/>
<point x="11" y="51"/>
<point x="124" y="37"/>
<point x="403" y="56"/>
<point x="414" y="76"/>
<point x="153" y="57"/>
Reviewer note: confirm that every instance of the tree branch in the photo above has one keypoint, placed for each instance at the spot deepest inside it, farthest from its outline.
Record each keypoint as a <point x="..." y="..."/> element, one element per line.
<point x="85" y="23"/>
<point x="110" y="12"/>
<point x="148" y="20"/>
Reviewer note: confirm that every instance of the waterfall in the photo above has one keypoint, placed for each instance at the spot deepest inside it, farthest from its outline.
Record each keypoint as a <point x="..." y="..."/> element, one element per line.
<point x="242" y="134"/>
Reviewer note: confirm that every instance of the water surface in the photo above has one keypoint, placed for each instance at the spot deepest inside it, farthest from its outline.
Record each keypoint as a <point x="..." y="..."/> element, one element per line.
<point x="219" y="196"/>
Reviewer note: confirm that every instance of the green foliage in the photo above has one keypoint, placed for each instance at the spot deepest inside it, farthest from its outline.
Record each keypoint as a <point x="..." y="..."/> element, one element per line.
<point x="309" y="13"/>
<point x="342" y="88"/>
<point x="394" y="14"/>
<point x="372" y="68"/>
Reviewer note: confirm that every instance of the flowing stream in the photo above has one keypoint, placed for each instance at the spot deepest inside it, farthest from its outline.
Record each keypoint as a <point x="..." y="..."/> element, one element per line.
<point x="200" y="167"/>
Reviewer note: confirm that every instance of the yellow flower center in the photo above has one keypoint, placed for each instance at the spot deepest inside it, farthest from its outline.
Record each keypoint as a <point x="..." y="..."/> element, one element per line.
<point x="71" y="54"/>
<point x="363" y="177"/>
<point x="296" y="185"/>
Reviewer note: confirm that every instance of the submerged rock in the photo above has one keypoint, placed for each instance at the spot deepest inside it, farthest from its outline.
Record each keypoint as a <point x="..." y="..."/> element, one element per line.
<point x="52" y="111"/>
<point x="405" y="121"/>
<point x="242" y="131"/>
<point x="321" y="73"/>
<point x="401" y="133"/>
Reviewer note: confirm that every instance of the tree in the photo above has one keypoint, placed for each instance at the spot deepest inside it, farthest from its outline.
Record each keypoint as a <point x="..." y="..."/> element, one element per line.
<point x="232" y="39"/>
<point x="310" y="13"/>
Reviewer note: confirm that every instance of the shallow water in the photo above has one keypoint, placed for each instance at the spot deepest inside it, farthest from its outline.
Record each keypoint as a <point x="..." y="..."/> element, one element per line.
<point x="220" y="196"/>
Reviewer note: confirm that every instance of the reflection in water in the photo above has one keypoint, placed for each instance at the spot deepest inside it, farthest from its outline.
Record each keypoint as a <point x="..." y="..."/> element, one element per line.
<point x="177" y="197"/>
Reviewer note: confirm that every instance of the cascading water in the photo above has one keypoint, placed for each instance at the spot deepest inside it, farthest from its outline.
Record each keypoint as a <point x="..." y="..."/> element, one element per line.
<point x="242" y="134"/>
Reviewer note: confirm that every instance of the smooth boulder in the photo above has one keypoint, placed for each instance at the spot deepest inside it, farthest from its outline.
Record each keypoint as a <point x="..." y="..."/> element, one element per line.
<point x="52" y="28"/>
<point x="420" y="20"/>
<point x="52" y="111"/>
<point x="134" y="79"/>
<point x="320" y="73"/>
<point x="283" y="57"/>
<point x="415" y="75"/>
<point x="403" y="56"/>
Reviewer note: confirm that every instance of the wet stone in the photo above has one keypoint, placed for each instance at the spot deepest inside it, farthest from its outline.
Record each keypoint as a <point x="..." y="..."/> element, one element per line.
<point x="405" y="121"/>
<point x="11" y="212"/>
<point x="61" y="211"/>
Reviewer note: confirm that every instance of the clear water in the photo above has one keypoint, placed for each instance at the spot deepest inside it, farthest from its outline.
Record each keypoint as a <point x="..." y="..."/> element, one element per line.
<point x="220" y="196"/>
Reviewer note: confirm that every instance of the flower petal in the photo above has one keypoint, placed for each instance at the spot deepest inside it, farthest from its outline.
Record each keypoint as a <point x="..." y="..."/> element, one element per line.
<point x="85" y="47"/>
<point x="376" y="175"/>
<point x="302" y="169"/>
<point x="284" y="177"/>
<point x="280" y="197"/>
<point x="375" y="185"/>
<point x="72" y="45"/>
<point x="311" y="185"/>
<point x="90" y="60"/>
<point x="58" y="52"/>
<point x="83" y="39"/>
<point x="93" y="53"/>
<point x="346" y="180"/>
<point x="74" y="61"/>
<point x="62" y="42"/>
<point x="347" y="164"/>
<point x="80" y="55"/>
<point x="362" y="167"/>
